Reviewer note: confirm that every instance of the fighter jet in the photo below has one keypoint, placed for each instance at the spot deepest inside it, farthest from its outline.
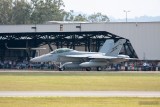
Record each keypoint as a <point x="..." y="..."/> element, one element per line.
<point x="72" y="58"/>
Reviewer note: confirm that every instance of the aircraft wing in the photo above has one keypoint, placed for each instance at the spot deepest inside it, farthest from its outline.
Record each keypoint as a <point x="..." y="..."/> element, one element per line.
<point x="100" y="57"/>
<point x="91" y="56"/>
<point x="131" y="58"/>
<point x="110" y="59"/>
<point x="106" y="59"/>
<point x="78" y="56"/>
<point x="72" y="58"/>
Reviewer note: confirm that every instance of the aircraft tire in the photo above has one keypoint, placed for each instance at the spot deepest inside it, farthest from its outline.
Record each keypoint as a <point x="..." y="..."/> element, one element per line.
<point x="88" y="69"/>
<point x="61" y="69"/>
<point x="99" y="69"/>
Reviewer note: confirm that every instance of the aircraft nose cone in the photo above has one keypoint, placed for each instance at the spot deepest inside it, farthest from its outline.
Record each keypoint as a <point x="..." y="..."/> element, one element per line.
<point x="34" y="59"/>
<point x="43" y="58"/>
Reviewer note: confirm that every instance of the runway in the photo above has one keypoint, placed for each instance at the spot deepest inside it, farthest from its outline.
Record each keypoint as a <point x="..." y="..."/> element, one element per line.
<point x="79" y="93"/>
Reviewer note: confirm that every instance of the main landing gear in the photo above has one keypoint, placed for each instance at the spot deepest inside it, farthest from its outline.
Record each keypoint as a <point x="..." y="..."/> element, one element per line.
<point x="61" y="69"/>
<point x="98" y="69"/>
<point x="88" y="69"/>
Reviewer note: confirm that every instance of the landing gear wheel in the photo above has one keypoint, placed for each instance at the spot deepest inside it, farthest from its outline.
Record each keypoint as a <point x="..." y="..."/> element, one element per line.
<point x="88" y="69"/>
<point x="99" y="69"/>
<point x="61" y="69"/>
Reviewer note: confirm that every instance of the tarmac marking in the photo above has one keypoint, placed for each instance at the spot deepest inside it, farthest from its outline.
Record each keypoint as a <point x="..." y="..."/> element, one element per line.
<point x="79" y="93"/>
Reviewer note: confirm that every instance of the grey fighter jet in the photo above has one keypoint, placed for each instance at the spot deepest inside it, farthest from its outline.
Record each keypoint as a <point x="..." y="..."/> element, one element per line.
<point x="73" y="58"/>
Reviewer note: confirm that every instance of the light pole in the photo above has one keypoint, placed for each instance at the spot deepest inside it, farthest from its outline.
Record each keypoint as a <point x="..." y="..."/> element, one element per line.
<point x="126" y="11"/>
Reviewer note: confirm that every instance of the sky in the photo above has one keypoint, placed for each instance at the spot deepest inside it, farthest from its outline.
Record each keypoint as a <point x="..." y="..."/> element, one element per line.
<point x="115" y="8"/>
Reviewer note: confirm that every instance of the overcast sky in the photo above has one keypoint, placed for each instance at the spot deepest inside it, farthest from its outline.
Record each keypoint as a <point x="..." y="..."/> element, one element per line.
<point x="115" y="8"/>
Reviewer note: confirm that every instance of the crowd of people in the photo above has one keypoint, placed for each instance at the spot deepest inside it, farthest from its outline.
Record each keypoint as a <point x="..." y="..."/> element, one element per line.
<point x="139" y="66"/>
<point x="17" y="64"/>
<point x="125" y="66"/>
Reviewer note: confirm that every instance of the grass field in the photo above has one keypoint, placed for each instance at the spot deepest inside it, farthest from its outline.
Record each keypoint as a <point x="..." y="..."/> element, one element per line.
<point x="79" y="81"/>
<point x="79" y="102"/>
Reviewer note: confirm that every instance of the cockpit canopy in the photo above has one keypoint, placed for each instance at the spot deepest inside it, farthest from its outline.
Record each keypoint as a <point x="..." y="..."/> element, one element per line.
<point x="61" y="50"/>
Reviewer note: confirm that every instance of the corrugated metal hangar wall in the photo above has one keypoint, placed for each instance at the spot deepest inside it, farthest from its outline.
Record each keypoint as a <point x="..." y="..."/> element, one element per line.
<point x="144" y="36"/>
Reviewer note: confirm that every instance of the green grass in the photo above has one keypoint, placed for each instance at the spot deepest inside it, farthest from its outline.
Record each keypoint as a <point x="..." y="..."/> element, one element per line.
<point x="78" y="81"/>
<point x="79" y="102"/>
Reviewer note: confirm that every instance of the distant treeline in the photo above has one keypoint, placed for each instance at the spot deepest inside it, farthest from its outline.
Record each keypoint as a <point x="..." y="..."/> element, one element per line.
<point x="41" y="11"/>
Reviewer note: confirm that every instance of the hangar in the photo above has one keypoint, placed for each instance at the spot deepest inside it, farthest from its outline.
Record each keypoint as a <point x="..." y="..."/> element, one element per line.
<point x="142" y="37"/>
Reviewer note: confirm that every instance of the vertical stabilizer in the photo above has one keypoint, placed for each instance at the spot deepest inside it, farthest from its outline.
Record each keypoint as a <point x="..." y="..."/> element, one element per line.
<point x="115" y="50"/>
<point x="108" y="44"/>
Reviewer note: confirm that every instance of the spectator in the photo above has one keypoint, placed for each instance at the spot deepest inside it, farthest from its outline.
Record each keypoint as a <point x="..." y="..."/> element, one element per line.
<point x="144" y="66"/>
<point x="126" y="66"/>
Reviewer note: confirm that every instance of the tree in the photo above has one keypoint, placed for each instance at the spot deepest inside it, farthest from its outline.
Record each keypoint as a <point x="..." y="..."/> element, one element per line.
<point x="41" y="11"/>
<point x="47" y="10"/>
<point x="80" y="18"/>
<point x="21" y="12"/>
<point x="69" y="16"/>
<point x="5" y="11"/>
<point x="98" y="17"/>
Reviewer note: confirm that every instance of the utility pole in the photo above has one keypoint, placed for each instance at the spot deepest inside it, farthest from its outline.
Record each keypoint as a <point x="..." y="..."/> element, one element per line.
<point x="126" y="11"/>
